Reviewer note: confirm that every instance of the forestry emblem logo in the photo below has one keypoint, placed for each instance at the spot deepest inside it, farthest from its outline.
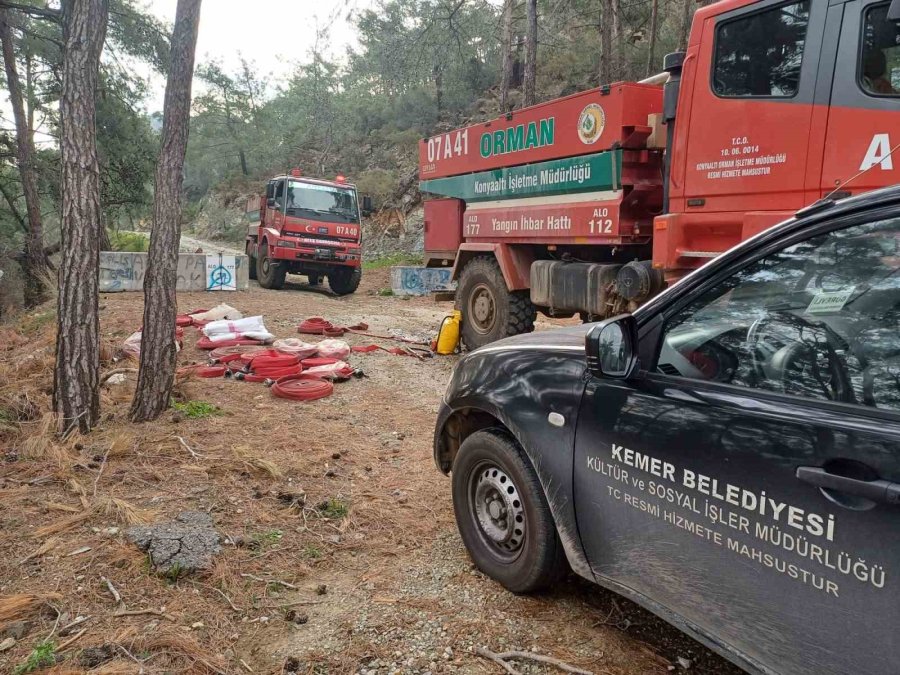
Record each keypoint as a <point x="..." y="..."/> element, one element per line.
<point x="591" y="124"/>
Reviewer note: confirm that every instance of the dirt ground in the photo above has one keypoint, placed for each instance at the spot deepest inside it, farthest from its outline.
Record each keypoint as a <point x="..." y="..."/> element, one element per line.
<point x="340" y="555"/>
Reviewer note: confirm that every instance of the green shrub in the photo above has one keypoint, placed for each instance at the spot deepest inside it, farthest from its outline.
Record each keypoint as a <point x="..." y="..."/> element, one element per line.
<point x="197" y="409"/>
<point x="130" y="242"/>
<point x="43" y="655"/>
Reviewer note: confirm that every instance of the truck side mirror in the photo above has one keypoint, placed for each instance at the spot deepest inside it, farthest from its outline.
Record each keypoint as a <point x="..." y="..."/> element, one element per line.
<point x="611" y="348"/>
<point x="270" y="203"/>
<point x="367" y="208"/>
<point x="893" y="13"/>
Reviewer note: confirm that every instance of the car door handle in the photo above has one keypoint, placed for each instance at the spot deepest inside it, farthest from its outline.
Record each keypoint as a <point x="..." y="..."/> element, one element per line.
<point x="882" y="491"/>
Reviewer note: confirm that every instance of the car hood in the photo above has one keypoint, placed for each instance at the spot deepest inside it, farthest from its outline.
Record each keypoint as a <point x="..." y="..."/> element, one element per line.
<point x="570" y="338"/>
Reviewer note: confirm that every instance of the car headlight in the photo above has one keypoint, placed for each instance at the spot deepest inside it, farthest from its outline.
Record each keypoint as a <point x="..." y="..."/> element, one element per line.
<point x="284" y="243"/>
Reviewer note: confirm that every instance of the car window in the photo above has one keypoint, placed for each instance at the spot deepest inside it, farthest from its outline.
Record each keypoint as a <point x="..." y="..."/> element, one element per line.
<point x="760" y="54"/>
<point x="879" y="60"/>
<point x="818" y="319"/>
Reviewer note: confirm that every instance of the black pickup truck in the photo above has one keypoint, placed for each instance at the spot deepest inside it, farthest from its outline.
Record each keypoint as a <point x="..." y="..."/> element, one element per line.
<point x="725" y="457"/>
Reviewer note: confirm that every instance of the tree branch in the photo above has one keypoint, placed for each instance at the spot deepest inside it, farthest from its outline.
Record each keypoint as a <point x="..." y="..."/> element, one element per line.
<point x="40" y="12"/>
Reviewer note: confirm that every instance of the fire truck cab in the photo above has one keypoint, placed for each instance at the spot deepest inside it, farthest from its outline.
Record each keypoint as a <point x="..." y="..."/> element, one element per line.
<point x="306" y="226"/>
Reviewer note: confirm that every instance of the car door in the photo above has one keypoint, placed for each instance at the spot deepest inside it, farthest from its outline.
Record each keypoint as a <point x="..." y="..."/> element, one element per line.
<point x="752" y="107"/>
<point x="275" y="213"/>
<point x="732" y="484"/>
<point x="864" y="112"/>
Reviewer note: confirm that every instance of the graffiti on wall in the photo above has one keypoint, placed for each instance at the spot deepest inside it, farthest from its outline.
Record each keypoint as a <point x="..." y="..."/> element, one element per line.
<point x="125" y="272"/>
<point x="421" y="280"/>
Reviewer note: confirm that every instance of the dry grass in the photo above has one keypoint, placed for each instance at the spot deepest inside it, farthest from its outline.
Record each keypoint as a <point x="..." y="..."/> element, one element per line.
<point x="63" y="525"/>
<point x="58" y="500"/>
<point x="124" y="512"/>
<point x="177" y="646"/>
<point x="23" y="606"/>
<point x="254" y="463"/>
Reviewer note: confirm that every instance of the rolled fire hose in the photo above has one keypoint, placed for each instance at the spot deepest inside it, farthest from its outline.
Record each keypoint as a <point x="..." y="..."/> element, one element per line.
<point x="203" y="371"/>
<point x="226" y="354"/>
<point x="268" y="364"/>
<point x="302" y="387"/>
<point x="206" y="343"/>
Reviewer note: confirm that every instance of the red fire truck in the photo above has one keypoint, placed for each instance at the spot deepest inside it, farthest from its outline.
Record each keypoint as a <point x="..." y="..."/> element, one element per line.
<point x="306" y="226"/>
<point x="592" y="203"/>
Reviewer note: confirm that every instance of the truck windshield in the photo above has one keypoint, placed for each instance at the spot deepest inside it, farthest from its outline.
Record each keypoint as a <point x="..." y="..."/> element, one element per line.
<point x="321" y="202"/>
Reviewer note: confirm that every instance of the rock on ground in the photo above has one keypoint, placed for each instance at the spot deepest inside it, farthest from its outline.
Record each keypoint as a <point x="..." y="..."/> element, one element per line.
<point x="184" y="545"/>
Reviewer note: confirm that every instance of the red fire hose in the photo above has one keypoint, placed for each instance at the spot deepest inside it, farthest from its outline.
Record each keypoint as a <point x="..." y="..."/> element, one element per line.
<point x="206" y="343"/>
<point x="316" y="361"/>
<point x="316" y="325"/>
<point x="302" y="388"/>
<point x="268" y="364"/>
<point x="226" y="354"/>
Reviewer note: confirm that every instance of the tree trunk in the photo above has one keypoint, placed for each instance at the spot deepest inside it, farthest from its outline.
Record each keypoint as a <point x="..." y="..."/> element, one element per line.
<point x="103" y="234"/>
<point x="530" y="52"/>
<point x="438" y="73"/>
<point x="76" y="388"/>
<point x="615" y="43"/>
<point x="158" y="354"/>
<point x="652" y="66"/>
<point x="506" y="75"/>
<point x="686" y="18"/>
<point x="242" y="157"/>
<point x="34" y="262"/>
<point x="606" y="51"/>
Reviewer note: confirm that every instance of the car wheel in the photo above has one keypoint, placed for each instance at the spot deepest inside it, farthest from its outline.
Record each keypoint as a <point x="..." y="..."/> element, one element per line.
<point x="502" y="514"/>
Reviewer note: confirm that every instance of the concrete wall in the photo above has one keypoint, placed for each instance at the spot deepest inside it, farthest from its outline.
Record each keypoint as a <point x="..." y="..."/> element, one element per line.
<point x="421" y="280"/>
<point x="125" y="271"/>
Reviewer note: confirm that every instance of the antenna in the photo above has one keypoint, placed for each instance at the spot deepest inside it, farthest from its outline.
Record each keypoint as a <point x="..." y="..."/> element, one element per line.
<point x="864" y="171"/>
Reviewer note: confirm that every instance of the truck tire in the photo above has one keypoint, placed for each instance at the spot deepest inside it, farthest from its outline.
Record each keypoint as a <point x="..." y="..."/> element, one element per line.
<point x="252" y="264"/>
<point x="345" y="281"/>
<point x="270" y="275"/>
<point x="490" y="311"/>
<point x="502" y="514"/>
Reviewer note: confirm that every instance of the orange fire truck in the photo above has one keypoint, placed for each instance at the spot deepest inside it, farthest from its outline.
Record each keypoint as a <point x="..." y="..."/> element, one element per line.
<point x="592" y="203"/>
<point x="306" y="226"/>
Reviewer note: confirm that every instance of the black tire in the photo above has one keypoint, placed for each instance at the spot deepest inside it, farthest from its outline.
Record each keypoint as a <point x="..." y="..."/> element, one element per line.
<point x="490" y="311"/>
<point x="493" y="482"/>
<point x="345" y="280"/>
<point x="253" y="263"/>
<point x="314" y="279"/>
<point x="270" y="275"/>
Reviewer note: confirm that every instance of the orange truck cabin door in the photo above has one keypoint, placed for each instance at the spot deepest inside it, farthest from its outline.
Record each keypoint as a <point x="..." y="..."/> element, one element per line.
<point x="753" y="90"/>
<point x="864" y="120"/>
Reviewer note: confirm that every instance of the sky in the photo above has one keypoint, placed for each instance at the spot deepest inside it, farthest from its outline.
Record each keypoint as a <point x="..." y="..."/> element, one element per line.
<point x="274" y="34"/>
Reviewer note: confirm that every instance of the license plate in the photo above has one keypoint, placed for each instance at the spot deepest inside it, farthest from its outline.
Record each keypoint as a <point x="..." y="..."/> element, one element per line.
<point x="324" y="253"/>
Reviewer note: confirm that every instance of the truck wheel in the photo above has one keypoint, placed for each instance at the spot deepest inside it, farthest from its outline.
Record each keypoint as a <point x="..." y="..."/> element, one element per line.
<point x="346" y="280"/>
<point x="490" y="311"/>
<point x="253" y="264"/>
<point x="270" y="275"/>
<point x="502" y="514"/>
